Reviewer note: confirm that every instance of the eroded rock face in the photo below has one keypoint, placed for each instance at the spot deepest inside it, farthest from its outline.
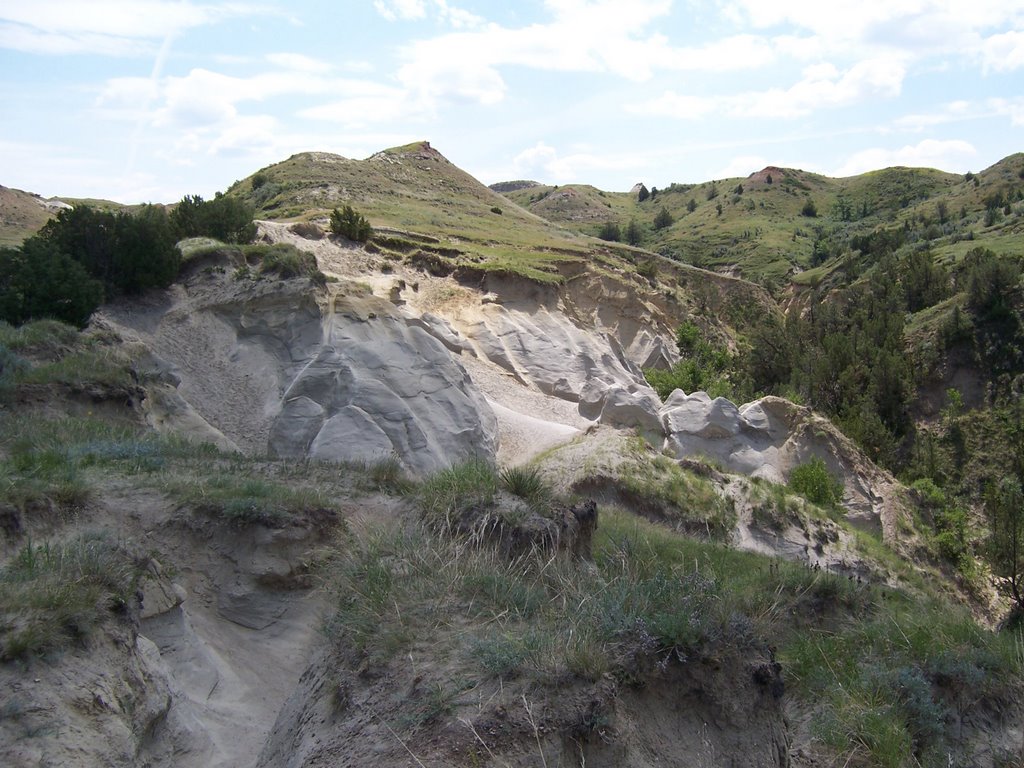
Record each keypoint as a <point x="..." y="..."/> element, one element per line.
<point x="265" y="367"/>
<point x="768" y="438"/>
<point x="378" y="386"/>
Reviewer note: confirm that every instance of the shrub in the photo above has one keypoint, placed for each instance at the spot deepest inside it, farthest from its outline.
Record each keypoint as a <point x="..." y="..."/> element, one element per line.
<point x="529" y="485"/>
<point x="225" y="218"/>
<point x="496" y="209"/>
<point x="286" y="261"/>
<point x="815" y="483"/>
<point x="350" y="224"/>
<point x="128" y="253"/>
<point x="38" y="280"/>
<point x="810" y="209"/>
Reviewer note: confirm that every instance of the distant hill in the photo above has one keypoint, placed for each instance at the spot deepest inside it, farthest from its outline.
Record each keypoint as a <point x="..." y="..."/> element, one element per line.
<point x="23" y="213"/>
<point x="512" y="186"/>
<point x="777" y="223"/>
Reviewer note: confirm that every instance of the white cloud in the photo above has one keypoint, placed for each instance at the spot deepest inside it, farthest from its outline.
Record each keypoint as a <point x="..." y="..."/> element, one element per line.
<point x="107" y="27"/>
<point x="406" y="10"/>
<point x="1012" y="108"/>
<point x="822" y="87"/>
<point x="414" y="10"/>
<point x="543" y="162"/>
<point x="870" y="21"/>
<point x="743" y="165"/>
<point x="601" y="36"/>
<point x="954" y="111"/>
<point x="962" y="111"/>
<point x="738" y="52"/>
<point x="369" y="104"/>
<point x="299" y="62"/>
<point x="949" y="155"/>
<point x="1003" y="53"/>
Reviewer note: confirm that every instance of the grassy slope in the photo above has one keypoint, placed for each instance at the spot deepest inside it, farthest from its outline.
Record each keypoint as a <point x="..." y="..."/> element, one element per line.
<point x="761" y="231"/>
<point x="415" y="189"/>
<point x="21" y="214"/>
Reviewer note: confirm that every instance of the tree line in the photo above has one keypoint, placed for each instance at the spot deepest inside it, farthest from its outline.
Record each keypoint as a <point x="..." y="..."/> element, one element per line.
<point x="86" y="256"/>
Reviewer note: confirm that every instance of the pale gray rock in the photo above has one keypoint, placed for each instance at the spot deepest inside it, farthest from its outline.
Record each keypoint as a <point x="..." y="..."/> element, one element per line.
<point x="767" y="438"/>
<point x="634" y="407"/>
<point x="277" y="366"/>
<point x="546" y="350"/>
<point x="441" y="330"/>
<point x="378" y="387"/>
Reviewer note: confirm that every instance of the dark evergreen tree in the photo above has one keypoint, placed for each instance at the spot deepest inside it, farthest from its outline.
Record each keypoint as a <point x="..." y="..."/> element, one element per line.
<point x="38" y="281"/>
<point x="633" y="234"/>
<point x="348" y="223"/>
<point x="663" y="219"/>
<point x="610" y="231"/>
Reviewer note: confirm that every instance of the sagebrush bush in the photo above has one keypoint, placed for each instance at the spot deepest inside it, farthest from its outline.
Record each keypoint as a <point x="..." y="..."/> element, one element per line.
<point x="815" y="483"/>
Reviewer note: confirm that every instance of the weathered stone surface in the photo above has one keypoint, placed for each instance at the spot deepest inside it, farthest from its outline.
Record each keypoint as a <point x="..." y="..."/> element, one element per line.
<point x="267" y="367"/>
<point x="441" y="330"/>
<point x="544" y="349"/>
<point x="768" y="438"/>
<point x="378" y="386"/>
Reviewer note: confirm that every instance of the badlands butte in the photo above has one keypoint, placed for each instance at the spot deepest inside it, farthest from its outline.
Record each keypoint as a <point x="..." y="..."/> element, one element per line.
<point x="531" y="476"/>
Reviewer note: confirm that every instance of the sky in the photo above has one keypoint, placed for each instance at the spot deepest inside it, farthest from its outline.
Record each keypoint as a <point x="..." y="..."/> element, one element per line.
<point x="149" y="100"/>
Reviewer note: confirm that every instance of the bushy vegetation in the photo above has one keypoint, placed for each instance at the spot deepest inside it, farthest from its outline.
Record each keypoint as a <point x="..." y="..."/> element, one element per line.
<point x="814" y="482"/>
<point x="226" y="218"/>
<point x="128" y="253"/>
<point x="349" y="223"/>
<point x="704" y="367"/>
<point x="37" y="280"/>
<point x="286" y="261"/>
<point x="85" y="256"/>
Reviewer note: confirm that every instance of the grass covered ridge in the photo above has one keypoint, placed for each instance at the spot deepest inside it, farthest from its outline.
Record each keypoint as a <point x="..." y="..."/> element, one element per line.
<point x="884" y="672"/>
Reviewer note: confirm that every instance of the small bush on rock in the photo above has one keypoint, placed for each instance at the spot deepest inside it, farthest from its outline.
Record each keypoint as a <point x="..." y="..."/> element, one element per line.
<point x="815" y="483"/>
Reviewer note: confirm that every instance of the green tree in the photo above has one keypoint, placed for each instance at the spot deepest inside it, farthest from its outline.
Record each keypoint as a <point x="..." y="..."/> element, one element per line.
<point x="633" y="234"/>
<point x="925" y="283"/>
<point x="810" y="209"/>
<point x="348" y="223"/>
<point x="610" y="231"/>
<point x="642" y="194"/>
<point x="127" y="253"/>
<point x="1004" y="507"/>
<point x="990" y="279"/>
<point x="38" y="281"/>
<point x="663" y="219"/>
<point x="691" y="206"/>
<point x="224" y="218"/>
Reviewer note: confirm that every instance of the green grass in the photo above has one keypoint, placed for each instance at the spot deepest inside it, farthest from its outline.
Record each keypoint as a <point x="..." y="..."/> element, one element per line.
<point x="471" y="486"/>
<point x="54" y="595"/>
<point x="528" y="484"/>
<point x="233" y="495"/>
<point x="883" y="670"/>
<point x="657" y="483"/>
